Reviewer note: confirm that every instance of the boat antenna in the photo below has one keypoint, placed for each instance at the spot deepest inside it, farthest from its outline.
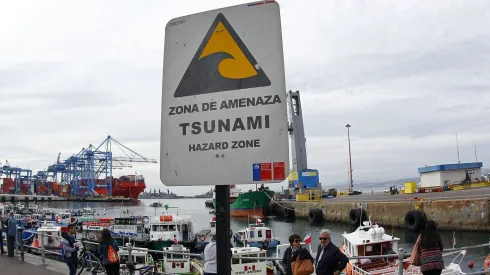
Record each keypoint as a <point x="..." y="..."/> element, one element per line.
<point x="457" y="147"/>
<point x="476" y="156"/>
<point x="360" y="220"/>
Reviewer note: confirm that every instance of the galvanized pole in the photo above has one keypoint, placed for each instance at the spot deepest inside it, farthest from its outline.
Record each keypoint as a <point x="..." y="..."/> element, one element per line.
<point x="223" y="245"/>
<point x="400" y="261"/>
<point x="351" y="187"/>
<point x="43" y="256"/>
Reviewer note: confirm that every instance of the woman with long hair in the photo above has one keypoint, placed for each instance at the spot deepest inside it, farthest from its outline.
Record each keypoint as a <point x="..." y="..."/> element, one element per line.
<point x="430" y="247"/>
<point x="108" y="249"/>
<point x="294" y="252"/>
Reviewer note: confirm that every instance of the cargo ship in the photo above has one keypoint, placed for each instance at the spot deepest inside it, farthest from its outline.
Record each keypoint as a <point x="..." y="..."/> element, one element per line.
<point x="253" y="204"/>
<point x="129" y="186"/>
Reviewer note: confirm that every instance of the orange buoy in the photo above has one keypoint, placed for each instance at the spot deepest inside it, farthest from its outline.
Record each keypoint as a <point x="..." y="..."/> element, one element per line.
<point x="35" y="243"/>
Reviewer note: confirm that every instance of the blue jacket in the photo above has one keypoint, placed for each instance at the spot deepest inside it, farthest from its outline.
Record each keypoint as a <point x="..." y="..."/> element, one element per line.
<point x="12" y="227"/>
<point x="104" y="248"/>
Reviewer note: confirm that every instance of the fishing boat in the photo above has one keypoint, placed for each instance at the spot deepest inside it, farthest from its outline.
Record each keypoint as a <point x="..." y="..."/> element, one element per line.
<point x="156" y="204"/>
<point x="256" y="235"/>
<point x="51" y="237"/>
<point x="371" y="240"/>
<point x="131" y="227"/>
<point x="140" y="258"/>
<point x="206" y="234"/>
<point x="165" y="229"/>
<point x="248" y="266"/>
<point x="91" y="230"/>
<point x="178" y="263"/>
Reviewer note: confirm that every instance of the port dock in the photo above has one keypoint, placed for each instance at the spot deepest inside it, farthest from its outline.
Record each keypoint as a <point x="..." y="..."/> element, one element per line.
<point x="453" y="210"/>
<point x="37" y="198"/>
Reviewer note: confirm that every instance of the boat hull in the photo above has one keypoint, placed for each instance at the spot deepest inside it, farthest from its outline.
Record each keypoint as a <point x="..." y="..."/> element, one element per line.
<point x="254" y="204"/>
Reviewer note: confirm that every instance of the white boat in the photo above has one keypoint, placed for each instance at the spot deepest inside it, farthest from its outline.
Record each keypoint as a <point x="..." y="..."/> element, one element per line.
<point x="246" y="266"/>
<point x="206" y="234"/>
<point x="51" y="237"/>
<point x="256" y="235"/>
<point x="166" y="227"/>
<point x="178" y="263"/>
<point x="139" y="258"/>
<point x="130" y="227"/>
<point x="92" y="230"/>
<point x="371" y="240"/>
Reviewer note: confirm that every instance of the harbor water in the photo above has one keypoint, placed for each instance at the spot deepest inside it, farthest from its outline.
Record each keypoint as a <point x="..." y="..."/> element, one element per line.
<point x="282" y="229"/>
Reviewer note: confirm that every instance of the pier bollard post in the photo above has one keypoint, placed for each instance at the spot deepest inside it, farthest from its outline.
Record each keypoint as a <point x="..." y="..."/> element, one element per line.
<point x="21" y="243"/>
<point x="43" y="256"/>
<point x="401" y="255"/>
<point x="130" y="247"/>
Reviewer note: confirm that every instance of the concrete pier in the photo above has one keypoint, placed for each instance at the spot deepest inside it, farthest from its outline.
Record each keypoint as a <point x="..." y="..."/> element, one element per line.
<point x="453" y="210"/>
<point x="38" y="198"/>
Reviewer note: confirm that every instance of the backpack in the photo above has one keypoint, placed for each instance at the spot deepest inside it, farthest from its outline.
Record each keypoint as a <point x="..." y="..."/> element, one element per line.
<point x="112" y="256"/>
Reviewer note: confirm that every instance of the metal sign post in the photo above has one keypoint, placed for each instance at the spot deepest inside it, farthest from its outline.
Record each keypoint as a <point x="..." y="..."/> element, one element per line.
<point x="224" y="112"/>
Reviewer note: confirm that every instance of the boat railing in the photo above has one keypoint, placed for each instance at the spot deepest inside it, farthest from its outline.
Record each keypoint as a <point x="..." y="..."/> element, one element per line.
<point x="402" y="255"/>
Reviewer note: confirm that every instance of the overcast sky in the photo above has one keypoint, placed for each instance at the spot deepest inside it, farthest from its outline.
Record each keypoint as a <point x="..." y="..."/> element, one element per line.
<point x="407" y="75"/>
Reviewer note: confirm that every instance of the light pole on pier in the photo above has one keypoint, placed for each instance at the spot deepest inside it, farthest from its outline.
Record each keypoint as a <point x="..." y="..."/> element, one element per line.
<point x="351" y="187"/>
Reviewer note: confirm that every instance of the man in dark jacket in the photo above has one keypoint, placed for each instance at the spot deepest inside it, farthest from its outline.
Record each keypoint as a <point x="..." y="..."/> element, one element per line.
<point x="11" y="232"/>
<point x="329" y="260"/>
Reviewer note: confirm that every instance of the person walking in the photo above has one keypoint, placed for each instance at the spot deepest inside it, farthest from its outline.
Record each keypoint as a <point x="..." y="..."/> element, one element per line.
<point x="329" y="260"/>
<point x="108" y="249"/>
<point x="69" y="248"/>
<point x="11" y="231"/>
<point x="430" y="247"/>
<point x="294" y="252"/>
<point x="210" y="263"/>
<point x="3" y="228"/>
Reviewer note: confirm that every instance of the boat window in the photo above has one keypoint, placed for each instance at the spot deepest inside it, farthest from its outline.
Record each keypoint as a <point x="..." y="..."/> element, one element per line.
<point x="171" y="227"/>
<point x="163" y="228"/>
<point x="361" y="250"/>
<point x="178" y="227"/>
<point x="252" y="235"/>
<point x="247" y="261"/>
<point x="139" y="259"/>
<point x="154" y="228"/>
<point x="259" y="233"/>
<point x="213" y="224"/>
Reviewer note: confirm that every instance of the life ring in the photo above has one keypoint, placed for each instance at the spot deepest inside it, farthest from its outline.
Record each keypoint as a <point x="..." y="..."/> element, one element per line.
<point x="415" y="220"/>
<point x="315" y="215"/>
<point x="356" y="216"/>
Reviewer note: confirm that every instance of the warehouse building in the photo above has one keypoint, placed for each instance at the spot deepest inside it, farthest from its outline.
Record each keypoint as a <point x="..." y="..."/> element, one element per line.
<point x="445" y="174"/>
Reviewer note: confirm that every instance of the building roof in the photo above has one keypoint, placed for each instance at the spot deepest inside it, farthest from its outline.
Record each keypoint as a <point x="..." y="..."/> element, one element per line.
<point x="446" y="167"/>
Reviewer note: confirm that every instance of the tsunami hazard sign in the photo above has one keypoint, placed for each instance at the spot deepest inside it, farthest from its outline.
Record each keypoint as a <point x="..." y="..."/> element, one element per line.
<point x="224" y="97"/>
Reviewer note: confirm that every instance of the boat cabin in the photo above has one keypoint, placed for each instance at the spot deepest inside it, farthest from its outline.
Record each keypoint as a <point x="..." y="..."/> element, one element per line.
<point x="129" y="227"/>
<point x="176" y="263"/>
<point x="165" y="227"/>
<point x="92" y="230"/>
<point x="255" y="233"/>
<point x="369" y="240"/>
<point x="51" y="234"/>
<point x="238" y="266"/>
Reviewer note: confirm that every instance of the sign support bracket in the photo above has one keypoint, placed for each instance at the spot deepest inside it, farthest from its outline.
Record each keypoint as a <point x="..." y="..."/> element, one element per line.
<point x="223" y="245"/>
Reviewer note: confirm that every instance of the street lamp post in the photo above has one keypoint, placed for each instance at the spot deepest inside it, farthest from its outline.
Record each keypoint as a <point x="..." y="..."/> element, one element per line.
<point x="351" y="187"/>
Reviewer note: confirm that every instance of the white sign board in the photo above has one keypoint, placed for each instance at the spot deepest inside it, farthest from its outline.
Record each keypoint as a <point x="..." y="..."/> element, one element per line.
<point x="224" y="117"/>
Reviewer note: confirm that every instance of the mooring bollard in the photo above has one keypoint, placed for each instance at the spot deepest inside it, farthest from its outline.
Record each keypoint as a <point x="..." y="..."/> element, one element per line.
<point x="21" y="243"/>
<point x="43" y="256"/>
<point x="401" y="255"/>
<point x="130" y="247"/>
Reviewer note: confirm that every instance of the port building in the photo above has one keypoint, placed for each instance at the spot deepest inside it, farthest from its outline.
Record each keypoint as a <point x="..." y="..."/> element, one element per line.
<point x="449" y="174"/>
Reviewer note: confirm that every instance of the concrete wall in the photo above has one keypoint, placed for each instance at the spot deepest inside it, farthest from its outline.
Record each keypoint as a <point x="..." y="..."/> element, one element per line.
<point x="472" y="215"/>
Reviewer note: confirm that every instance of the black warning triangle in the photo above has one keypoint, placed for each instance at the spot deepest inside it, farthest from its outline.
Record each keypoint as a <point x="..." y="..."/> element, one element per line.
<point x="221" y="63"/>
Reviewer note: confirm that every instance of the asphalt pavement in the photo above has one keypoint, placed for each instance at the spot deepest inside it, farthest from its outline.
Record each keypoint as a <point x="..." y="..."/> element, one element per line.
<point x="32" y="265"/>
<point x="474" y="193"/>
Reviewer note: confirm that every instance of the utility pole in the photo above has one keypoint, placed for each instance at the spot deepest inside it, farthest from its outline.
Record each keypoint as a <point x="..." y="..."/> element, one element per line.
<point x="351" y="187"/>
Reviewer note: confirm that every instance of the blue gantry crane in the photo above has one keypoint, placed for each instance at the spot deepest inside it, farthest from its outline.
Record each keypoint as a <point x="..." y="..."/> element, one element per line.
<point x="92" y="166"/>
<point x="22" y="179"/>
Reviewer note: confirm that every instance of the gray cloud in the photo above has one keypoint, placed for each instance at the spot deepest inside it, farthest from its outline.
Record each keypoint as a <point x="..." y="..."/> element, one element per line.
<point x="407" y="76"/>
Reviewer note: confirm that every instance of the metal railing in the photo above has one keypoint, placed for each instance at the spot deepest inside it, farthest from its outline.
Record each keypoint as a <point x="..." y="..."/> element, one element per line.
<point x="401" y="255"/>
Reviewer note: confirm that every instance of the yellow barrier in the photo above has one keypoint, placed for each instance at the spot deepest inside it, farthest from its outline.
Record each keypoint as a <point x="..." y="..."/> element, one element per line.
<point x="310" y="195"/>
